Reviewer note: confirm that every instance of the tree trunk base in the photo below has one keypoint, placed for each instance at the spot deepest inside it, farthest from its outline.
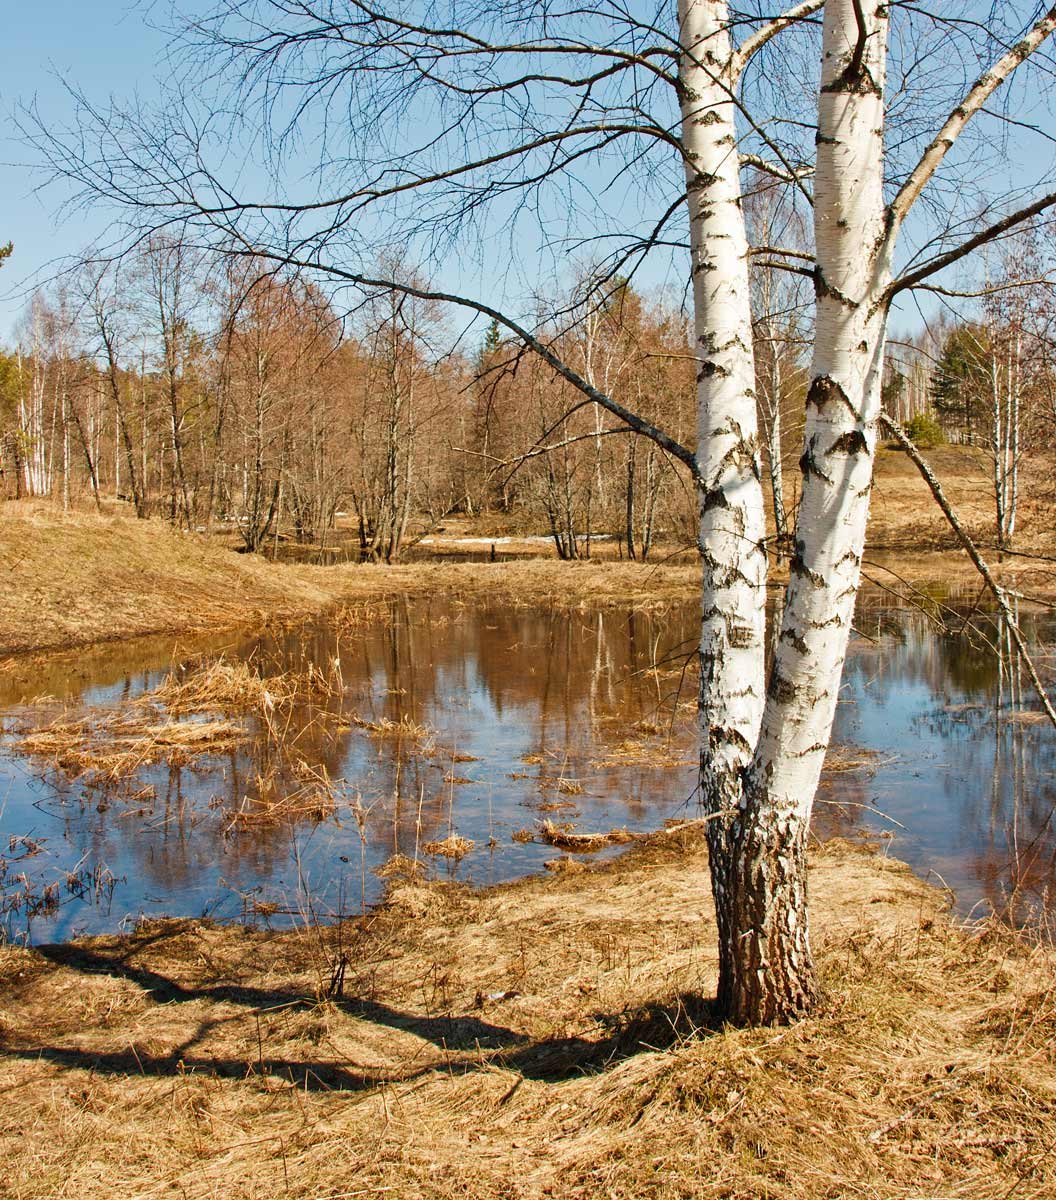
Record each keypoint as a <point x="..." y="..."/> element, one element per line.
<point x="758" y="874"/>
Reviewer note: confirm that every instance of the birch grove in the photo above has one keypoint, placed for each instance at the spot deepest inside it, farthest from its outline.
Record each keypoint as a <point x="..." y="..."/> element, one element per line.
<point x="634" y="131"/>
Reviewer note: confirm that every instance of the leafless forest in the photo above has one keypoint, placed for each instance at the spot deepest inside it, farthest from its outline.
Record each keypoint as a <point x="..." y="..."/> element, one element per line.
<point x="231" y="395"/>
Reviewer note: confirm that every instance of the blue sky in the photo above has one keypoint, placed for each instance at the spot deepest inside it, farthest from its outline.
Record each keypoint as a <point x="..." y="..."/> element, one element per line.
<point x="102" y="46"/>
<point x="106" y="47"/>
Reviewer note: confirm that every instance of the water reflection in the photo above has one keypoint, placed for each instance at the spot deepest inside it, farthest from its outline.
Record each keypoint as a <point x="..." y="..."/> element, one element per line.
<point x="489" y="718"/>
<point x="483" y="719"/>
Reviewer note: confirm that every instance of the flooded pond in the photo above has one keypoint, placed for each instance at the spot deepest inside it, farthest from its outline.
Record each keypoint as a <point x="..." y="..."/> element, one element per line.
<point x="272" y="778"/>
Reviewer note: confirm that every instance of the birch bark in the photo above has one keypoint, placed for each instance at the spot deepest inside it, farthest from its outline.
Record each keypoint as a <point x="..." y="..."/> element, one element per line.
<point x="766" y="972"/>
<point x="732" y="527"/>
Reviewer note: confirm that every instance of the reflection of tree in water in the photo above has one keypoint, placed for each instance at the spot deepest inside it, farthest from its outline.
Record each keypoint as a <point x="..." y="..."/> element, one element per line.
<point x="458" y="692"/>
<point x="996" y="786"/>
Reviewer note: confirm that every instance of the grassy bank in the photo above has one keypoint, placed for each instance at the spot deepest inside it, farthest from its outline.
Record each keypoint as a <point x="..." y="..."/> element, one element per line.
<point x="534" y="1040"/>
<point x="79" y="578"/>
<point x="72" y="579"/>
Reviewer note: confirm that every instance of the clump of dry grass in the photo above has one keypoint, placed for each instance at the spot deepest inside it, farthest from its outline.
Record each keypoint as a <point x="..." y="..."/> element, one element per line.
<point x="569" y="787"/>
<point x="107" y="747"/>
<point x="565" y="837"/>
<point x="565" y="806"/>
<point x="634" y="752"/>
<point x="271" y="805"/>
<point x="405" y="728"/>
<point x="565" y="866"/>
<point x="842" y="759"/>
<point x="399" y="866"/>
<point x="238" y="687"/>
<point x="453" y="847"/>
<point x="364" y="614"/>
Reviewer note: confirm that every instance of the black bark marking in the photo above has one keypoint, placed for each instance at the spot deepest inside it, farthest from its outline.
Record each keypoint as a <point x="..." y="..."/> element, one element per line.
<point x="782" y="690"/>
<point x="795" y="640"/>
<point x="720" y="736"/>
<point x="823" y="290"/>
<point x="851" y="442"/>
<point x="740" y="637"/>
<point x="710" y="369"/>
<point x="799" y="568"/>
<point x="808" y="466"/>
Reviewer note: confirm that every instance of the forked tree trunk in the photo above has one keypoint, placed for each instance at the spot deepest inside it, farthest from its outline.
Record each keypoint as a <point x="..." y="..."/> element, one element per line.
<point x="762" y="754"/>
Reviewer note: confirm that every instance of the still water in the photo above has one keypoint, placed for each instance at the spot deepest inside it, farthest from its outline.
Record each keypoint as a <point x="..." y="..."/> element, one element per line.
<point x="482" y="721"/>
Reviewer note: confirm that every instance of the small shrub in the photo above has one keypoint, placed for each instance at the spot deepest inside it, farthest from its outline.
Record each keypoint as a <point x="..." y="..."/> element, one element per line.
<point x="924" y="431"/>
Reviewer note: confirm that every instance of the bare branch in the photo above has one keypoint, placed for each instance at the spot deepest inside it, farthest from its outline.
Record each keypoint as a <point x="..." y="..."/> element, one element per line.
<point x="630" y="419"/>
<point x="772" y="169"/>
<point x="963" y="536"/>
<point x="991" y="233"/>
<point x="983" y="88"/>
<point x="752" y="45"/>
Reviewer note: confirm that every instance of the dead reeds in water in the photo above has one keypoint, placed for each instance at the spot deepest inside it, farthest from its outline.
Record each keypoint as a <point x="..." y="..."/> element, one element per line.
<point x="238" y="687"/>
<point x="108" y="747"/>
<point x="299" y="793"/>
<point x="453" y="847"/>
<point x="405" y="728"/>
<point x="565" y="837"/>
<point x="189" y="717"/>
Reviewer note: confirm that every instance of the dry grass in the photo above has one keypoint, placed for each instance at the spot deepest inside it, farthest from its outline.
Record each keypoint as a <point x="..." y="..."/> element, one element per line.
<point x="75" y="579"/>
<point x="909" y="539"/>
<point x="178" y="723"/>
<point x="536" y="1040"/>
<point x="313" y="797"/>
<point x="405" y="729"/>
<point x="635" y="752"/>
<point x="564" y="837"/>
<point x="106" y="747"/>
<point x="239" y="687"/>
<point x="453" y="847"/>
<point x="841" y="760"/>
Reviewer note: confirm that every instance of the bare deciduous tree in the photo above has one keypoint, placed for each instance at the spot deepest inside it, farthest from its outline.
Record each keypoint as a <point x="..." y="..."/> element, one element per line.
<point x="630" y="131"/>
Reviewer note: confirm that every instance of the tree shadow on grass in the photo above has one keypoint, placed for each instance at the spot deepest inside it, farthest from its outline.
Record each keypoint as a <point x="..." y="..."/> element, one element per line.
<point x="467" y="1043"/>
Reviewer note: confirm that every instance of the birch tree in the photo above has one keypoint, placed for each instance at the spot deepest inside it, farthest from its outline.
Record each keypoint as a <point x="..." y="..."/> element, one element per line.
<point x="630" y="129"/>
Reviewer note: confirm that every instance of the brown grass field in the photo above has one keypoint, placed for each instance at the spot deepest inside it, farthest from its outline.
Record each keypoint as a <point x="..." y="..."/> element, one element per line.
<point x="539" y="1039"/>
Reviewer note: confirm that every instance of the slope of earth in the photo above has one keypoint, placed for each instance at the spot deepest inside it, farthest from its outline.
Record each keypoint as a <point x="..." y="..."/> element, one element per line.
<point x="79" y="578"/>
<point x="908" y="532"/>
<point x="535" y="1040"/>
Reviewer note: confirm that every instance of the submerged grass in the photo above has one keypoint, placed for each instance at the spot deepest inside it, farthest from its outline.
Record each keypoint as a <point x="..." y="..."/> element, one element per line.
<point x="188" y="717"/>
<point x="239" y="686"/>
<point x="543" y="1039"/>
<point x="107" y="747"/>
<point x="566" y="837"/>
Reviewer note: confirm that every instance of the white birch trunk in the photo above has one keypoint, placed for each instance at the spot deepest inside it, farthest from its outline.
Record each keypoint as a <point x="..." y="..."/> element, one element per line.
<point x="766" y="970"/>
<point x="732" y="526"/>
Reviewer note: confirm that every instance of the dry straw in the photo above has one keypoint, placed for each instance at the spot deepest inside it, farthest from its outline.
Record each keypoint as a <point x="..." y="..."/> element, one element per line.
<point x="535" y="1041"/>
